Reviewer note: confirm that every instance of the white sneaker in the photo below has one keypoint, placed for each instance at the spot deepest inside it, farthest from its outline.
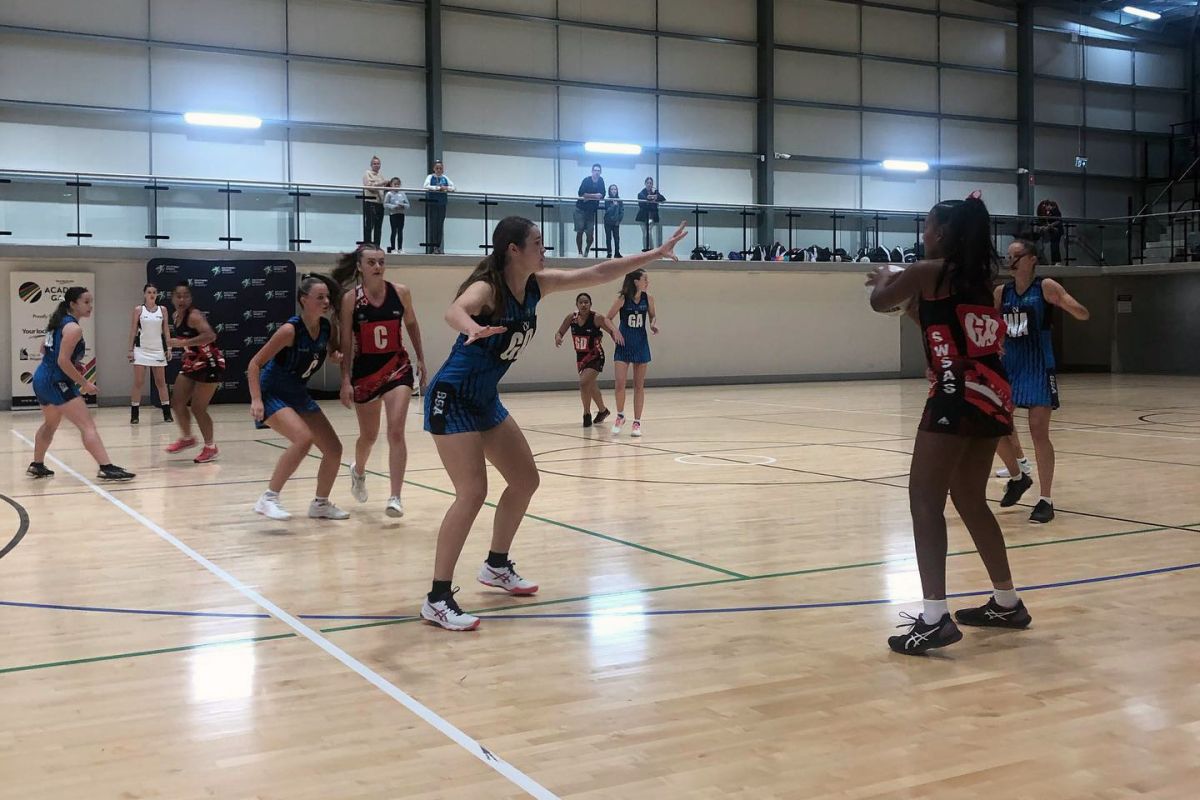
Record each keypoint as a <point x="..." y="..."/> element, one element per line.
<point x="358" y="484"/>
<point x="618" y="423"/>
<point x="506" y="578"/>
<point x="325" y="510"/>
<point x="445" y="613"/>
<point x="394" y="507"/>
<point x="269" y="507"/>
<point x="1002" y="473"/>
<point x="636" y="430"/>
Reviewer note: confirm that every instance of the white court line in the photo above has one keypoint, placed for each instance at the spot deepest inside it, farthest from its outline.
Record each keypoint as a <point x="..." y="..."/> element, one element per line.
<point x="464" y="741"/>
<point x="917" y="416"/>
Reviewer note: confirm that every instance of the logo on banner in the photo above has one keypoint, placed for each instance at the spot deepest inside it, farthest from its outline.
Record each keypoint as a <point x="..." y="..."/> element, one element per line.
<point x="166" y="269"/>
<point x="273" y="326"/>
<point x="255" y="282"/>
<point x="224" y="297"/>
<point x="30" y="292"/>
<point x="278" y="294"/>
<point x="225" y="327"/>
<point x="254" y="313"/>
<point x="252" y="340"/>
<point x="219" y="270"/>
<point x="26" y="377"/>
<point x="198" y="283"/>
<point x="276" y="269"/>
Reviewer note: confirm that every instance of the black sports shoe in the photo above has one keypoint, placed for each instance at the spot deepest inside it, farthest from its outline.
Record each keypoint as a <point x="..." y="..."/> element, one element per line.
<point x="922" y="637"/>
<point x="601" y="415"/>
<point x="167" y="414"/>
<point x="133" y="415"/>
<point x="1043" y="512"/>
<point x="587" y="420"/>
<point x="993" y="615"/>
<point x="38" y="470"/>
<point x="112" y="472"/>
<point x="1015" y="489"/>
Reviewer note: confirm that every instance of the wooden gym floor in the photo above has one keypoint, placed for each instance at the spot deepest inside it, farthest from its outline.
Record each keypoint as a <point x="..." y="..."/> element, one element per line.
<point x="711" y="622"/>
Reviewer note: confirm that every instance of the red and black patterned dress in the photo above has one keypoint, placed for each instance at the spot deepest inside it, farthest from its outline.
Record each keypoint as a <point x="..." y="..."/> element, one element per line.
<point x="380" y="360"/>
<point x="587" y="338"/>
<point x="203" y="363"/>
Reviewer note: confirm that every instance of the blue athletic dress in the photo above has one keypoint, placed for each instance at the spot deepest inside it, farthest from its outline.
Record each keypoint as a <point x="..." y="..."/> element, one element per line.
<point x="284" y="380"/>
<point x="464" y="395"/>
<point x="634" y="319"/>
<point x="1029" y="347"/>
<point x="51" y="386"/>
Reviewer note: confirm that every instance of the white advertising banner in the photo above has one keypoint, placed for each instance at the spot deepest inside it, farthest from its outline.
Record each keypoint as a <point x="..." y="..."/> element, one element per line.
<point x="34" y="296"/>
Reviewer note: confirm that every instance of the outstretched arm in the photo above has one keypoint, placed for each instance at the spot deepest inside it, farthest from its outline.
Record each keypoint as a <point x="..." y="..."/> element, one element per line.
<point x="1055" y="294"/>
<point x="558" y="280"/>
<point x="473" y="301"/>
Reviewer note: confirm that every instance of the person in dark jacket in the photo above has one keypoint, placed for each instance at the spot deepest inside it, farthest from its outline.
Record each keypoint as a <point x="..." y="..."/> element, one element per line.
<point x="614" y="212"/>
<point x="1050" y="228"/>
<point x="648" y="200"/>
<point x="591" y="192"/>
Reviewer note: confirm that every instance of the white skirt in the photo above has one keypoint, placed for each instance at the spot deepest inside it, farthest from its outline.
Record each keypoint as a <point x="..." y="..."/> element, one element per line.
<point x="149" y="358"/>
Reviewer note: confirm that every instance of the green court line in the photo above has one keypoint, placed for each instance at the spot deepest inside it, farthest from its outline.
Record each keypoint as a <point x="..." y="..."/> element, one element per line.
<point x="548" y="521"/>
<point x="139" y="653"/>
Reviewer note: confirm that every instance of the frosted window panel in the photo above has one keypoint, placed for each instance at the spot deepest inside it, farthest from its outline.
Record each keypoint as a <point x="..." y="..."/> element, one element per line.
<point x="199" y="81"/>
<point x="193" y="216"/>
<point x="629" y="13"/>
<point x="899" y="33"/>
<point x="62" y="144"/>
<point x="493" y="45"/>
<point x="731" y="19"/>
<point x="975" y="9"/>
<point x="893" y="136"/>
<point x="1067" y="192"/>
<point x="363" y="31"/>
<point x="1166" y="68"/>
<point x="344" y="163"/>
<point x="816" y="185"/>
<point x="1109" y="108"/>
<point x="508" y="171"/>
<point x="817" y="132"/>
<point x="604" y="57"/>
<point x="219" y="154"/>
<point x="1108" y="64"/>
<point x="114" y="17"/>
<point x="116" y="214"/>
<point x="42" y="69"/>
<point x="1055" y="149"/>
<point x="905" y="86"/>
<point x="538" y="8"/>
<point x="1156" y="112"/>
<point x="1106" y="198"/>
<point x="706" y="124"/>
<point x="999" y="193"/>
<point x="252" y="24"/>
<point x="979" y="44"/>
<point x="502" y="108"/>
<point x="825" y="24"/>
<point x="706" y="67"/>
<point x="1110" y="154"/>
<point x="809" y="76"/>
<point x="596" y="115"/>
<point x="1058" y="102"/>
<point x="979" y="94"/>
<point x="38" y="211"/>
<point x="1057" y="55"/>
<point x="898" y="192"/>
<point x="979" y="144"/>
<point x="357" y="95"/>
<point x="731" y="182"/>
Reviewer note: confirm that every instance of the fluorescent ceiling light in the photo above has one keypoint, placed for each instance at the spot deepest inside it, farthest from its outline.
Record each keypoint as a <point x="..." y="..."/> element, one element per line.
<point x="905" y="166"/>
<point x="222" y="120"/>
<point x="1138" y="12"/>
<point x="615" y="148"/>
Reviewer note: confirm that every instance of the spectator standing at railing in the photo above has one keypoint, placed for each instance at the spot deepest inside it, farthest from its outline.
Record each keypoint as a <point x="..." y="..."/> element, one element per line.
<point x="373" y="202"/>
<point x="614" y="212"/>
<point x="437" y="185"/>
<point x="1050" y="227"/>
<point x="648" y="200"/>
<point x="591" y="192"/>
<point x="396" y="204"/>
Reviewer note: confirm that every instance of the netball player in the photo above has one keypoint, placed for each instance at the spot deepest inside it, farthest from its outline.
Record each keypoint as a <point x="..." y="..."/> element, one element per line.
<point x="198" y="378"/>
<point x="1029" y="361"/>
<point x="59" y="385"/>
<point x="495" y="314"/>
<point x="376" y="372"/>
<point x="587" y="335"/>
<point x="279" y="399"/>
<point x="148" y="334"/>
<point x="968" y="410"/>
<point x="636" y="308"/>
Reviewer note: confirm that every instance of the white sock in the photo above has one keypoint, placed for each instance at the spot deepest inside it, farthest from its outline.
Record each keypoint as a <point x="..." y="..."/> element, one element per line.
<point x="1045" y="500"/>
<point x="1006" y="598"/>
<point x="1025" y="466"/>
<point x="136" y="405"/>
<point x="934" y="611"/>
<point x="269" y="495"/>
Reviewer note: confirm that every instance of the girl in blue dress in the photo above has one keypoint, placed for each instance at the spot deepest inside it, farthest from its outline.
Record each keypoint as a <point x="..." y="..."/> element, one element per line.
<point x="636" y="310"/>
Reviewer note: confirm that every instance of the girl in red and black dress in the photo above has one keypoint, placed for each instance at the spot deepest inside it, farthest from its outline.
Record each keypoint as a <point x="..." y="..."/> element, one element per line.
<point x="200" y="376"/>
<point x="968" y="410"/>
<point x="587" y="335"/>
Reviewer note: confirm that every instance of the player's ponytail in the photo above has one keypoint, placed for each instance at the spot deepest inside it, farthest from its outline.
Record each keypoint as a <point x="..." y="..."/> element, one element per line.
<point x="970" y="262"/>
<point x="510" y="230"/>
<point x="346" y="269"/>
<point x="629" y="285"/>
<point x="64" y="306"/>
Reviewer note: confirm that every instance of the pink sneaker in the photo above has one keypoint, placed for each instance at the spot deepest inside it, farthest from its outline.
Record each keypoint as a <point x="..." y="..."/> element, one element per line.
<point x="206" y="455"/>
<point x="181" y="444"/>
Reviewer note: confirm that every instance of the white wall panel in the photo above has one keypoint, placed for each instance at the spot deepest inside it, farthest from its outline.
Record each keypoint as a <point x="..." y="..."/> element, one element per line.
<point x="357" y="95"/>
<point x="1108" y="64"/>
<point x="1108" y="198"/>
<point x="1166" y="68"/>
<point x="1055" y="149"/>
<point x="895" y="136"/>
<point x="630" y="13"/>
<point x="809" y="76"/>
<point x="817" y="132"/>
<point x="980" y="94"/>
<point x="1109" y="108"/>
<point x="979" y="144"/>
<point x="733" y="19"/>
<point x="1156" y="112"/>
<point x="56" y="145"/>
<point x="493" y="45"/>
<point x="817" y="185"/>
<point x="817" y="23"/>
<point x="116" y="17"/>
<point x="1058" y="102"/>
<point x="904" y="86"/>
<point x="976" y="9"/>
<point x="502" y="169"/>
<point x="365" y="31"/>
<point x="1054" y="54"/>
<point x="1111" y="154"/>
<point x="899" y="33"/>
<point x="199" y="81"/>
<point x="707" y="183"/>
<point x="979" y="44"/>
<point x="598" y="115"/>
<point x="706" y="124"/>
<point x="343" y="163"/>
<point x="253" y="24"/>
<point x="999" y="192"/>
<point x="219" y="153"/>
<point x="606" y="57"/>
<point x="898" y="192"/>
<point x="707" y="67"/>
<point x="41" y="69"/>
<point x="539" y="8"/>
<point x="503" y="108"/>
